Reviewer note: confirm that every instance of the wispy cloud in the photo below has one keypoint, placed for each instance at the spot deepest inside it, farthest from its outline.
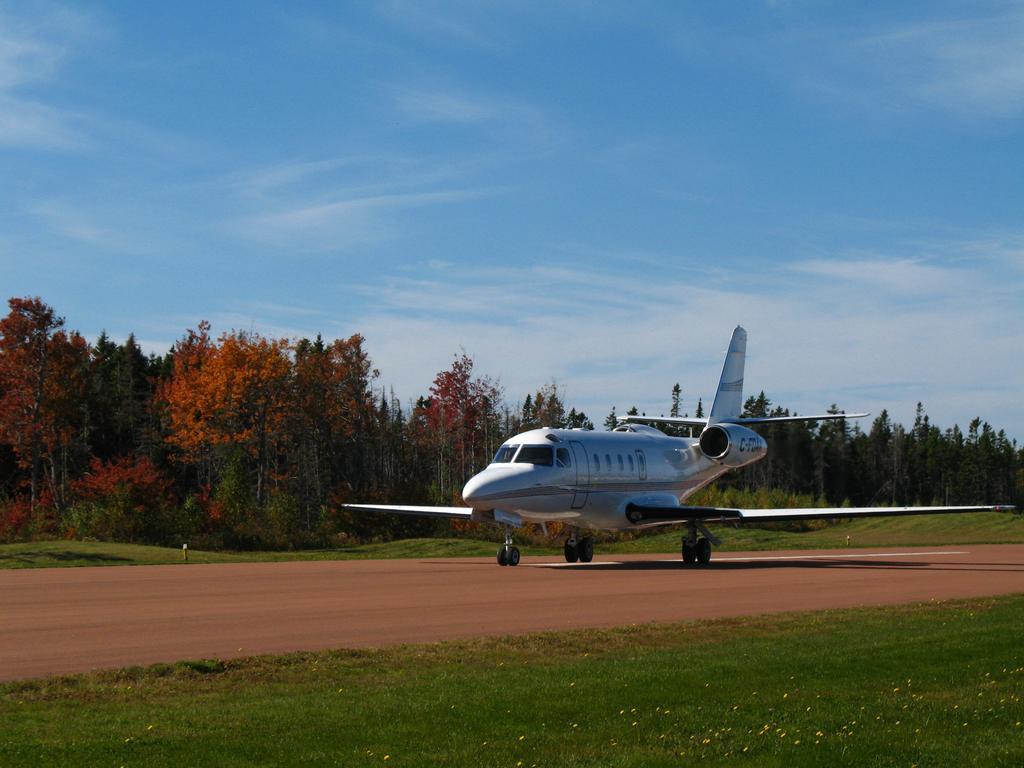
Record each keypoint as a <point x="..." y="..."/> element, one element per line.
<point x="27" y="124"/>
<point x="513" y="121"/>
<point x="336" y="203"/>
<point x="446" y="106"/>
<point x="32" y="55"/>
<point x="71" y="222"/>
<point x="340" y="224"/>
<point x="902" y="276"/>
<point x="971" y="66"/>
<point x="446" y="23"/>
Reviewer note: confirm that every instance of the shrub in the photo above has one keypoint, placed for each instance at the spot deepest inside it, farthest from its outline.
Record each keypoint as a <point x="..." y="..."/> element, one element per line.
<point x="15" y="516"/>
<point x="127" y="499"/>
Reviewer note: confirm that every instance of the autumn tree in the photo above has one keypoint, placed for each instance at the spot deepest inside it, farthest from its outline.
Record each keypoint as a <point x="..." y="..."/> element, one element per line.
<point x="548" y="407"/>
<point x="43" y="375"/>
<point x="462" y="416"/>
<point x="125" y="499"/>
<point x="226" y="396"/>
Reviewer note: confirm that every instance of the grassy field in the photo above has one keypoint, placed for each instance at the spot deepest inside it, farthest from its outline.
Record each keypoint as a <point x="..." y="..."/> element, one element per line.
<point x="933" y="684"/>
<point x="46" y="554"/>
<point x="936" y="530"/>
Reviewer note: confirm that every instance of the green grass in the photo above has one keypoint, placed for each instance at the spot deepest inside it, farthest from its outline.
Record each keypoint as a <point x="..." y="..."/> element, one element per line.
<point x="932" y="684"/>
<point x="934" y="530"/>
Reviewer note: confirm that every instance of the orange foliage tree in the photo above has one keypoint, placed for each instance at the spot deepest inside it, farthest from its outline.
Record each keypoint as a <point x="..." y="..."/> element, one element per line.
<point x="232" y="395"/>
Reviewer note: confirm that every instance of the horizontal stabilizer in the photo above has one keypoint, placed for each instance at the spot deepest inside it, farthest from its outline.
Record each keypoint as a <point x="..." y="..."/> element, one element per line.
<point x="681" y="421"/>
<point x="643" y="515"/>
<point x="686" y="421"/>
<point x="457" y="512"/>
<point x="775" y="419"/>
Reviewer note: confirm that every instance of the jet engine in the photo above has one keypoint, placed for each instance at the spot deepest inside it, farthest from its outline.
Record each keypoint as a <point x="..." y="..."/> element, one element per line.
<point x="732" y="445"/>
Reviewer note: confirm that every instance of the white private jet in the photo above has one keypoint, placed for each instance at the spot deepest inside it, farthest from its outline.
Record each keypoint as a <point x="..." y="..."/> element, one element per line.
<point x="635" y="476"/>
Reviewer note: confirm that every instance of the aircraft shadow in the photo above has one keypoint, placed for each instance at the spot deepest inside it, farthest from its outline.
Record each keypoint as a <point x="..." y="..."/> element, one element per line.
<point x="661" y="565"/>
<point x="60" y="556"/>
<point x="679" y="565"/>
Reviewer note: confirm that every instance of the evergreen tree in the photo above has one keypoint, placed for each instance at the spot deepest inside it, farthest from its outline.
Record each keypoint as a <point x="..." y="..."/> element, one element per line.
<point x="677" y="397"/>
<point x="578" y="420"/>
<point x="611" y="421"/>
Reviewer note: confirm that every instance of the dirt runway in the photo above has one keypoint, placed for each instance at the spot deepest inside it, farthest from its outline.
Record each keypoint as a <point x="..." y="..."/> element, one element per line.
<point x="62" y="620"/>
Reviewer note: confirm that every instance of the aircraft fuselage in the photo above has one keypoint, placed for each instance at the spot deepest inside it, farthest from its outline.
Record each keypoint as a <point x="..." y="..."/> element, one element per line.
<point x="589" y="478"/>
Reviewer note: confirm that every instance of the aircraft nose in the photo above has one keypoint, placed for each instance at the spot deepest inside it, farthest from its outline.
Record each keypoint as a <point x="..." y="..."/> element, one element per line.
<point x="474" y="489"/>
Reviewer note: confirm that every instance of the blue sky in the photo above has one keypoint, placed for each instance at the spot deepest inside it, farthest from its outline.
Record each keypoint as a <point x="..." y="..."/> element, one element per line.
<point x="596" y="193"/>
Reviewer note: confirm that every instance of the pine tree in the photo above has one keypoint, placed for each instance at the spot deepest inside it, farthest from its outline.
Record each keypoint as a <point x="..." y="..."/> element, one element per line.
<point x="677" y="398"/>
<point x="578" y="420"/>
<point x="611" y="420"/>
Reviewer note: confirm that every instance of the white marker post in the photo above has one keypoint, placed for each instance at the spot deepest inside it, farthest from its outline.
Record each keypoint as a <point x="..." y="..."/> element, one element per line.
<point x="184" y="552"/>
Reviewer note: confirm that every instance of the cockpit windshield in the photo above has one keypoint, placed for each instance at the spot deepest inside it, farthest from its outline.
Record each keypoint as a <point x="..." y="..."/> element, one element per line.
<point x="535" y="454"/>
<point x="505" y="454"/>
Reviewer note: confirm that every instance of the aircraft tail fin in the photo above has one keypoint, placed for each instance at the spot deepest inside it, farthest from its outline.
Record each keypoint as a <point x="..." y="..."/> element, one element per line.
<point x="729" y="397"/>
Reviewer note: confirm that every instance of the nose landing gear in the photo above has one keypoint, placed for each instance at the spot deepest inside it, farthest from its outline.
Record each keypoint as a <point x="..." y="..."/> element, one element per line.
<point x="508" y="554"/>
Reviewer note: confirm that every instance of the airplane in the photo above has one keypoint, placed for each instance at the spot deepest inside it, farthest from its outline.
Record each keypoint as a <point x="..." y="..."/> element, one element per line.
<point x="634" y="476"/>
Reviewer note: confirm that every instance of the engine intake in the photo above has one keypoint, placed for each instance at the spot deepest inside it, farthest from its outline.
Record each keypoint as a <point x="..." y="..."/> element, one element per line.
<point x="732" y="444"/>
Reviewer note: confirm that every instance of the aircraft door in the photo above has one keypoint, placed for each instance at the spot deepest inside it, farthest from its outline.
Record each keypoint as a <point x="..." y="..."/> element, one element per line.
<point x="641" y="463"/>
<point x="579" y="455"/>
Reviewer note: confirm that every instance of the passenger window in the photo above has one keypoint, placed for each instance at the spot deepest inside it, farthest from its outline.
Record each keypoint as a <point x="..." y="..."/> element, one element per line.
<point x="562" y="457"/>
<point x="622" y="467"/>
<point x="505" y="454"/>
<point x="597" y="463"/>
<point x="608" y="461"/>
<point x="534" y="454"/>
<point x="630" y="463"/>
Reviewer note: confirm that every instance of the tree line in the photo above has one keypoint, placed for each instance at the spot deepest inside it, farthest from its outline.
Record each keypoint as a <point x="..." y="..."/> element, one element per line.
<point x="245" y="441"/>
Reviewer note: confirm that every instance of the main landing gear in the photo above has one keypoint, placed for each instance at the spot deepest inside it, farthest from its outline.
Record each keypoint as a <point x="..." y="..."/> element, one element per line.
<point x="696" y="550"/>
<point x="581" y="550"/>
<point x="508" y="554"/>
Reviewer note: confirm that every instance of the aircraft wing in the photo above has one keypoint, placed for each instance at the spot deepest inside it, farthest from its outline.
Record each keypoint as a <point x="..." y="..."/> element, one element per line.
<point x="463" y="513"/>
<point x="643" y="515"/>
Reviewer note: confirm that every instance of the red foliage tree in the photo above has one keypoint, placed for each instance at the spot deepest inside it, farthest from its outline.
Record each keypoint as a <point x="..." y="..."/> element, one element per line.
<point x="461" y="421"/>
<point x="43" y="380"/>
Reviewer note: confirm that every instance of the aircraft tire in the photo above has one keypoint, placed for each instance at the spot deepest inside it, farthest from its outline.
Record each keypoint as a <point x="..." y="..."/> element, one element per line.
<point x="502" y="556"/>
<point x="689" y="552"/>
<point x="513" y="556"/>
<point x="586" y="549"/>
<point x="703" y="551"/>
<point x="572" y="553"/>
